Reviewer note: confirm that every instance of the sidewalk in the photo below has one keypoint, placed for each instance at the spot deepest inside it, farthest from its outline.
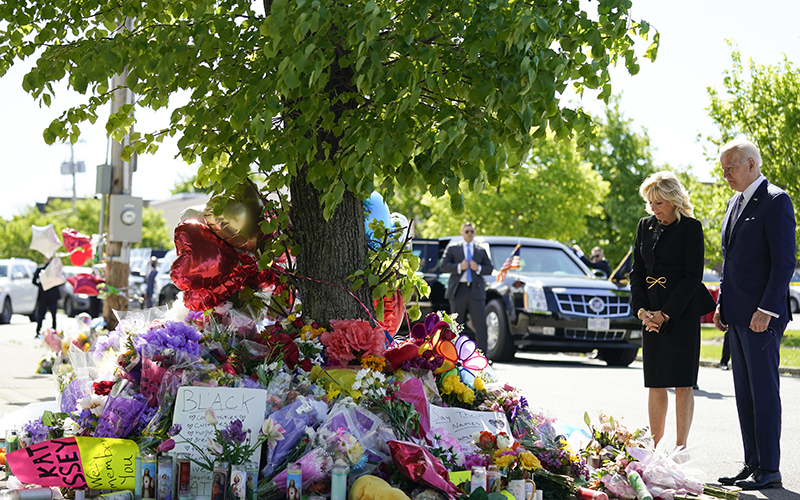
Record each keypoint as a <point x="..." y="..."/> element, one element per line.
<point x="20" y="385"/>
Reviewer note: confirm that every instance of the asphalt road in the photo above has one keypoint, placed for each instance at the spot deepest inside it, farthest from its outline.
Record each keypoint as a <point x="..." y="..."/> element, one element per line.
<point x="565" y="386"/>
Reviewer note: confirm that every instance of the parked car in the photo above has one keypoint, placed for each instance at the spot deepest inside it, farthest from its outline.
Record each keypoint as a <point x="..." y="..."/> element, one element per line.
<point x="794" y="292"/>
<point x="76" y="303"/>
<point x="18" y="294"/>
<point x="711" y="281"/>
<point x="552" y="303"/>
<point x="165" y="292"/>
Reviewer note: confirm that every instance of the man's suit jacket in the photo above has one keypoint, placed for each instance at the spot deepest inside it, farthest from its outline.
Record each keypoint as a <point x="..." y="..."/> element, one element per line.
<point x="758" y="257"/>
<point x="453" y="255"/>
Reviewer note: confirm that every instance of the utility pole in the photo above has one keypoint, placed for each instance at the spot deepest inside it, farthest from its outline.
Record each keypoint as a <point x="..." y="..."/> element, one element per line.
<point x="117" y="252"/>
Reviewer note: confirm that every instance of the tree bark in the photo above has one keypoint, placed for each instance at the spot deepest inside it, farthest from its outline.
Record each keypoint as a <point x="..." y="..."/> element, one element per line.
<point x="330" y="251"/>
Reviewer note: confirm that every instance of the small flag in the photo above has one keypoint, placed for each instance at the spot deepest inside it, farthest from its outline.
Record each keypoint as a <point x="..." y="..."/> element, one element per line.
<point x="512" y="262"/>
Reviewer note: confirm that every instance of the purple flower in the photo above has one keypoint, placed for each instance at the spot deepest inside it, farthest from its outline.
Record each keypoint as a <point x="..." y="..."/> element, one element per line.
<point x="234" y="432"/>
<point x="166" y="445"/>
<point x="39" y="431"/>
<point x="174" y="430"/>
<point x="180" y="337"/>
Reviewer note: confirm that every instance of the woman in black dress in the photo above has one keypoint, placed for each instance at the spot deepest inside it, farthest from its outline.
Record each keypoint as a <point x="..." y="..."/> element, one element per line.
<point x="669" y="297"/>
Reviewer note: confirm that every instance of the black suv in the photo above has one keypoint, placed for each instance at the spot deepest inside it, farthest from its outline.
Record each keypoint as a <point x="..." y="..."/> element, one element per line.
<point x="552" y="303"/>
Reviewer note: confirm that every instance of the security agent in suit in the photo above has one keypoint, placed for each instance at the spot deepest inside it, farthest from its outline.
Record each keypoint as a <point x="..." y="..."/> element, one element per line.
<point x="467" y="264"/>
<point x="758" y="250"/>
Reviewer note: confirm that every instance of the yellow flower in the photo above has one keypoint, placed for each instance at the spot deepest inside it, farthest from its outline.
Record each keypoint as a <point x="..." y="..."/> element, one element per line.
<point x="479" y="384"/>
<point x="529" y="461"/>
<point x="373" y="362"/>
<point x="449" y="384"/>
<point x="504" y="461"/>
<point x="82" y="337"/>
<point x="467" y="396"/>
<point x="291" y="317"/>
<point x="333" y="391"/>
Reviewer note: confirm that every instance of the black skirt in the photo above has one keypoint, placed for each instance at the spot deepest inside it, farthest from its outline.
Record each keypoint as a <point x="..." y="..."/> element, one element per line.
<point x="672" y="358"/>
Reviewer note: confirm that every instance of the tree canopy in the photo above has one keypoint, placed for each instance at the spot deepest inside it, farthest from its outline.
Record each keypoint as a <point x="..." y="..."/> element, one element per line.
<point x="331" y="99"/>
<point x="763" y="105"/>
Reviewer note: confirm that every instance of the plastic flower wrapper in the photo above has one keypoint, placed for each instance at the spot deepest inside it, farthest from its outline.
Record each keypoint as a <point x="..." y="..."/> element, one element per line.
<point x="293" y="421"/>
<point x="315" y="465"/>
<point x="412" y="390"/>
<point x="662" y="473"/>
<point x="381" y="397"/>
<point x="121" y="412"/>
<point x="343" y="447"/>
<point x="368" y="428"/>
<point x="420" y="466"/>
<point x="446" y="448"/>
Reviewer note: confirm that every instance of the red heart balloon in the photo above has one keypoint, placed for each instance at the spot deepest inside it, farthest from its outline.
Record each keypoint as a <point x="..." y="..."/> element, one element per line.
<point x="209" y="270"/>
<point x="394" y="308"/>
<point x="85" y="283"/>
<point x="79" y="257"/>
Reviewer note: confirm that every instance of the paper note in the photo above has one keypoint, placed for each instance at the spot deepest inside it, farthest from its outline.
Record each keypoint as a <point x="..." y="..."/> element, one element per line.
<point x="462" y="424"/>
<point x="228" y="404"/>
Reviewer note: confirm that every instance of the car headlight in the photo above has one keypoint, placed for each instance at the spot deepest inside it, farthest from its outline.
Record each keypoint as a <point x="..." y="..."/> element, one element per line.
<point x="535" y="299"/>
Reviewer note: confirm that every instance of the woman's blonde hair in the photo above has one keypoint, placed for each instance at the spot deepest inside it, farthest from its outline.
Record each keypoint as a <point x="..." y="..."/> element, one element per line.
<point x="666" y="187"/>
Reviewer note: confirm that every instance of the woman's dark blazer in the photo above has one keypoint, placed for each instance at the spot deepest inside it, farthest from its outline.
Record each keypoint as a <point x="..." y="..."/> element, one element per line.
<point x="674" y="267"/>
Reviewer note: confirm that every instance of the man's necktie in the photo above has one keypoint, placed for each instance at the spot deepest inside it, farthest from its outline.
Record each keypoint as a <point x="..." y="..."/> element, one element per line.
<point x="468" y="256"/>
<point x="735" y="214"/>
<point x="737" y="210"/>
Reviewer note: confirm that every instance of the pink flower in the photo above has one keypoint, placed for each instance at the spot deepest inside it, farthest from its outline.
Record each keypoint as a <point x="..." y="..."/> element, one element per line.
<point x="351" y="339"/>
<point x="214" y="446"/>
<point x="166" y="445"/>
<point x="211" y="418"/>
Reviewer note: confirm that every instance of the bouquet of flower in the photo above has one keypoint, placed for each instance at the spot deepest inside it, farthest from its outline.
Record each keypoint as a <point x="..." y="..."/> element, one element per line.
<point x="352" y="340"/>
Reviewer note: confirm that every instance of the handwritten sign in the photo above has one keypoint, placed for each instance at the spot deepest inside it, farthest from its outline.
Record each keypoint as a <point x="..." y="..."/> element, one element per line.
<point x="77" y="463"/>
<point x="228" y="404"/>
<point x="108" y="463"/>
<point x="462" y="424"/>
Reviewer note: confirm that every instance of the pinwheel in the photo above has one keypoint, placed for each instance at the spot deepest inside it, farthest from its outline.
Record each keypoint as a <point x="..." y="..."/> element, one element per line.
<point x="462" y="355"/>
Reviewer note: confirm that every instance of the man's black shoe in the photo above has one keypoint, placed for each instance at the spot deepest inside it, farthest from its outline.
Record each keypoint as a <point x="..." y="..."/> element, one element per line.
<point x="746" y="471"/>
<point x="761" y="480"/>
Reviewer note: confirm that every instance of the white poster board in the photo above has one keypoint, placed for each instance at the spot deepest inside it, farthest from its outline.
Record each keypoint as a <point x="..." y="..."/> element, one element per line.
<point x="462" y="424"/>
<point x="228" y="405"/>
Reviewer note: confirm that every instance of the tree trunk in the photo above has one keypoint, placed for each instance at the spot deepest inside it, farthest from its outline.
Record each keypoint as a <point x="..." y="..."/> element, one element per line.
<point x="330" y="251"/>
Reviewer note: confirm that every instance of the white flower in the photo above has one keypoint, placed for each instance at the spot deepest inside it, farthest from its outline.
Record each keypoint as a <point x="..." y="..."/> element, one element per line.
<point x="94" y="403"/>
<point x="71" y="426"/>
<point x="273" y="432"/>
<point x="503" y="441"/>
<point x="476" y="437"/>
<point x="214" y="446"/>
<point x="310" y="432"/>
<point x="211" y="418"/>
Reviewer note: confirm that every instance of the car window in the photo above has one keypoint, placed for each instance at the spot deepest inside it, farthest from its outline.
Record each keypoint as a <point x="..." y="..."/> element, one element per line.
<point x="710" y="277"/>
<point x="3" y="271"/>
<point x="539" y="260"/>
<point x="20" y="272"/>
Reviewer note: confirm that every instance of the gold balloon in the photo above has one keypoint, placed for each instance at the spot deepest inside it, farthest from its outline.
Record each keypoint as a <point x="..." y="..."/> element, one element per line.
<point x="238" y="224"/>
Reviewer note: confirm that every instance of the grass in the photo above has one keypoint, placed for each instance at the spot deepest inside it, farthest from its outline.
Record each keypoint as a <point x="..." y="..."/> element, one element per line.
<point x="790" y="346"/>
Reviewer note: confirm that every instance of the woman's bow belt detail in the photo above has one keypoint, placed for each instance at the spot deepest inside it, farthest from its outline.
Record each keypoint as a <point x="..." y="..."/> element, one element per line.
<point x="656" y="281"/>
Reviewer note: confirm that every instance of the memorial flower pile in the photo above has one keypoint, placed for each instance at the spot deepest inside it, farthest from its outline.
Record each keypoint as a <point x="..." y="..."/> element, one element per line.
<point x="233" y="372"/>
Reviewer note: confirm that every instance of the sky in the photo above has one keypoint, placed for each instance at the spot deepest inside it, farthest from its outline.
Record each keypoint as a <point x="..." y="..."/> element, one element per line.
<point x="667" y="98"/>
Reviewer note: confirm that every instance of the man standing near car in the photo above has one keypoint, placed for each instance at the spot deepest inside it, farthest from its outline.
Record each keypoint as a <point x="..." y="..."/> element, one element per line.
<point x="467" y="263"/>
<point x="758" y="251"/>
<point x="151" y="281"/>
<point x="47" y="300"/>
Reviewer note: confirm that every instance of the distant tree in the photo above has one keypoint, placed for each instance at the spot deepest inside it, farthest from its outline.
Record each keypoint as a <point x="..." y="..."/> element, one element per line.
<point x="710" y="199"/>
<point x="330" y="99"/>
<point x="623" y="158"/>
<point x="188" y="184"/>
<point x="549" y="198"/>
<point x="764" y="106"/>
<point x="16" y="232"/>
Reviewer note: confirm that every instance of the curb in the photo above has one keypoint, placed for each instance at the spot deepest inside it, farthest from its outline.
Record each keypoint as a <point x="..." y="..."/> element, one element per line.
<point x="783" y="371"/>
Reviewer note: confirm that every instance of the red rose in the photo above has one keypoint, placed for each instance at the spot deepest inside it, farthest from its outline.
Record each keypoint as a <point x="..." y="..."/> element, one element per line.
<point x="306" y="365"/>
<point x="228" y="368"/>
<point x="103" y="388"/>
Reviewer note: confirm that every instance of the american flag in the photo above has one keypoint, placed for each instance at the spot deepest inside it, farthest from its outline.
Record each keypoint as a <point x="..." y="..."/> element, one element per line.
<point x="512" y="262"/>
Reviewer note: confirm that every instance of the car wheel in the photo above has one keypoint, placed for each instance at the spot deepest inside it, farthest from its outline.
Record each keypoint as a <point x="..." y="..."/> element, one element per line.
<point x="619" y="357"/>
<point x="500" y="345"/>
<point x="5" y="316"/>
<point x="795" y="305"/>
<point x="69" y="307"/>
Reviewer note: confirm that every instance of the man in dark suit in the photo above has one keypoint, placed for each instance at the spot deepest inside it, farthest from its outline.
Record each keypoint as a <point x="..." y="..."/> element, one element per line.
<point x="758" y="250"/>
<point x="468" y="263"/>
<point x="598" y="260"/>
